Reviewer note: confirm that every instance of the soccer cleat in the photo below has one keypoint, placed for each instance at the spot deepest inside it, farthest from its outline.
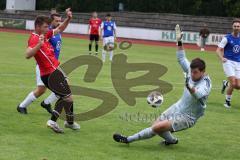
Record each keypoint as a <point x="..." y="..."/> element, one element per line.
<point x="21" y="110"/>
<point x="227" y="104"/>
<point x="179" y="33"/>
<point x="166" y="143"/>
<point x="47" y="107"/>
<point x="224" y="86"/>
<point x="54" y="126"/>
<point x="73" y="126"/>
<point x="120" y="138"/>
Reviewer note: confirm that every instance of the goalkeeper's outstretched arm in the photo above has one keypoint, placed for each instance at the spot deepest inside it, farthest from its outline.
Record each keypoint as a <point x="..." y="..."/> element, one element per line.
<point x="182" y="60"/>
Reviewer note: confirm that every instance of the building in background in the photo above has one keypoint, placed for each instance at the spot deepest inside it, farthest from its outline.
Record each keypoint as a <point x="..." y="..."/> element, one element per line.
<point x="20" y="5"/>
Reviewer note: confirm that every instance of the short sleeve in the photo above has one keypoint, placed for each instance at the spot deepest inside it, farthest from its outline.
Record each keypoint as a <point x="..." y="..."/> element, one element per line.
<point x="223" y="43"/>
<point x="33" y="41"/>
<point x="49" y="34"/>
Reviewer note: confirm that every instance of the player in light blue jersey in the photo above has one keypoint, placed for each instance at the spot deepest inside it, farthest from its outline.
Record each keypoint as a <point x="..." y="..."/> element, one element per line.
<point x="229" y="53"/>
<point x="187" y="110"/>
<point x="108" y="31"/>
<point x="56" y="42"/>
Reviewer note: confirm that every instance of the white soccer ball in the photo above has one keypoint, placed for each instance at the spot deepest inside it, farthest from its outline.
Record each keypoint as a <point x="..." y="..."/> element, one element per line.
<point x="155" y="99"/>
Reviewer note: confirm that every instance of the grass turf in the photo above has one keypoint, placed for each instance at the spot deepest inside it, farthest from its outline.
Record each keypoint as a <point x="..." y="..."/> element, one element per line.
<point x="215" y="136"/>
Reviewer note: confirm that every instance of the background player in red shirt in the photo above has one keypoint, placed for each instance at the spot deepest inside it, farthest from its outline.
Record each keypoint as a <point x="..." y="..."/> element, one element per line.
<point x="93" y="31"/>
<point x="53" y="78"/>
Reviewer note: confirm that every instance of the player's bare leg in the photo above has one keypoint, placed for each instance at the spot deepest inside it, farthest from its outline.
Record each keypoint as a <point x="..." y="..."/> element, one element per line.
<point x="40" y="90"/>
<point x="235" y="83"/>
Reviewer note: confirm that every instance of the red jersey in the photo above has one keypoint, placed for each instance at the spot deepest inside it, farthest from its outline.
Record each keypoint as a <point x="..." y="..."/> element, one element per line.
<point x="45" y="56"/>
<point x="94" y="25"/>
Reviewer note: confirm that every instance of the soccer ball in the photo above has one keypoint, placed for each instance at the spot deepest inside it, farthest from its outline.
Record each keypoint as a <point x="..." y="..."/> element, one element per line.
<point x="155" y="99"/>
<point x="110" y="46"/>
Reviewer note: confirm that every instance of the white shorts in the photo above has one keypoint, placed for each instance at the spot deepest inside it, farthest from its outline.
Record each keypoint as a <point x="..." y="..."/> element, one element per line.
<point x="180" y="121"/>
<point x="107" y="40"/>
<point x="38" y="77"/>
<point x="232" y="69"/>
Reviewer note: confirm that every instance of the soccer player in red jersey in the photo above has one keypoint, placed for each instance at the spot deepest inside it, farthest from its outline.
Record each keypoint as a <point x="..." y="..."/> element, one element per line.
<point x="52" y="76"/>
<point x="93" y="31"/>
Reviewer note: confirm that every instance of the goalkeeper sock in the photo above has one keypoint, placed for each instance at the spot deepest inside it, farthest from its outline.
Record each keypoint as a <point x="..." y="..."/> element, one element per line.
<point x="28" y="100"/>
<point x="144" y="134"/>
<point x="168" y="137"/>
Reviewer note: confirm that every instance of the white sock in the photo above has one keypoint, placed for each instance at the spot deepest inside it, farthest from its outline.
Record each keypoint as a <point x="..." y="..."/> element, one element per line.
<point x="51" y="98"/>
<point x="103" y="55"/>
<point x="111" y="55"/>
<point x="144" y="134"/>
<point x="168" y="137"/>
<point x="28" y="100"/>
<point x="228" y="97"/>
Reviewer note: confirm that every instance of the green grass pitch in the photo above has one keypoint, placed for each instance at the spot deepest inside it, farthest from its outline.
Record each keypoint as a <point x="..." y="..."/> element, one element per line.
<point x="215" y="136"/>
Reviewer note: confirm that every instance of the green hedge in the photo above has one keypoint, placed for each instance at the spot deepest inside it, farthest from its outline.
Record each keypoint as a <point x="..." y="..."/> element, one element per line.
<point x="193" y="7"/>
<point x="12" y="23"/>
<point x="2" y="4"/>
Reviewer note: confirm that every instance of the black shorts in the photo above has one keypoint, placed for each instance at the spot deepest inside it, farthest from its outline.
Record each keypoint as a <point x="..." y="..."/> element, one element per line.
<point x="57" y="83"/>
<point x="94" y="37"/>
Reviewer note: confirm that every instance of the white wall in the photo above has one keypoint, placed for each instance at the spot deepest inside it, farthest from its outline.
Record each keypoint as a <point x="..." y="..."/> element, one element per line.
<point x="20" y="4"/>
<point x="141" y="33"/>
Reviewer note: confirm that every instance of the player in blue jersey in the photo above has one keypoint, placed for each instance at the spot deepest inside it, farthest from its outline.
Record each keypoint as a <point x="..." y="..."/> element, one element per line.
<point x="56" y="42"/>
<point x="229" y="53"/>
<point x="108" y="31"/>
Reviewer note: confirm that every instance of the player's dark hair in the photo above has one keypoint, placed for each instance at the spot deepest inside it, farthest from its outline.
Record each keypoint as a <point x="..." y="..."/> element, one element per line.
<point x="41" y="19"/>
<point x="237" y="20"/>
<point x="198" y="63"/>
<point x="54" y="15"/>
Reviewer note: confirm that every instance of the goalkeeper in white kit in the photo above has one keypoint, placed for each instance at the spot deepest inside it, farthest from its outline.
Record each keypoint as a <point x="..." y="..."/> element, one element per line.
<point x="187" y="110"/>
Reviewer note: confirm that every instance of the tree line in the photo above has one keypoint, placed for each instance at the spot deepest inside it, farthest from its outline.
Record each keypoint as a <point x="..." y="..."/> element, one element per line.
<point x="192" y="7"/>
